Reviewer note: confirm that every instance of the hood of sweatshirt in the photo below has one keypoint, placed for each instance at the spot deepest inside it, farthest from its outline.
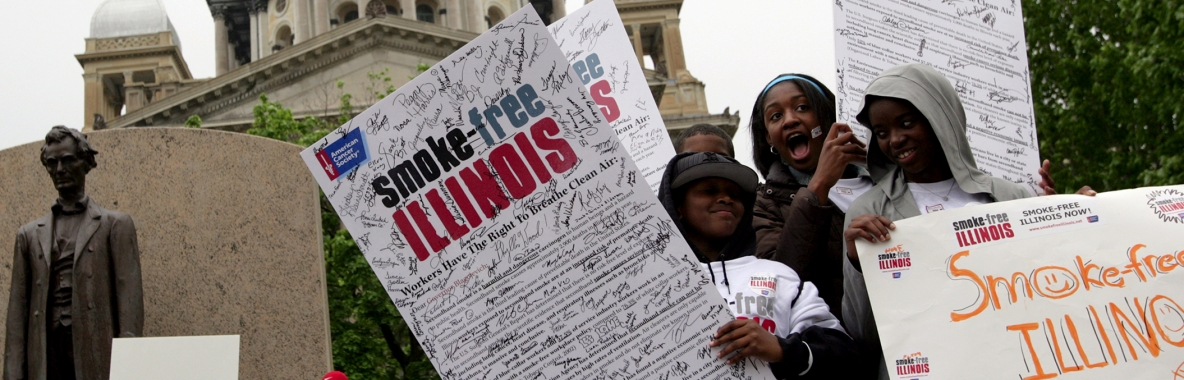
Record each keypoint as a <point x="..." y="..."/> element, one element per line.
<point x="743" y="240"/>
<point x="932" y="94"/>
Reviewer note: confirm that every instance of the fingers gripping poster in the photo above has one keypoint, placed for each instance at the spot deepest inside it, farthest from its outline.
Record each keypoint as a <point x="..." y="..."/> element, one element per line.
<point x="513" y="243"/>
<point x="978" y="45"/>
<point x="1065" y="286"/>
<point x="601" y="53"/>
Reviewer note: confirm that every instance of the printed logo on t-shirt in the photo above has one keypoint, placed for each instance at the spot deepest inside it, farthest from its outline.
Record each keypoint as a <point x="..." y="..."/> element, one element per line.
<point x="763" y="283"/>
<point x="934" y="208"/>
<point x="844" y="190"/>
<point x="757" y="307"/>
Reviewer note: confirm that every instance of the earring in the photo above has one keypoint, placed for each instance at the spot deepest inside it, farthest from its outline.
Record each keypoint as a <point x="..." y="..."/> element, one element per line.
<point x="773" y="150"/>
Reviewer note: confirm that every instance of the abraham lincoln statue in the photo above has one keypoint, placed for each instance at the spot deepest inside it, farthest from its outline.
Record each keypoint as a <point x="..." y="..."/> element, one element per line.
<point x="75" y="276"/>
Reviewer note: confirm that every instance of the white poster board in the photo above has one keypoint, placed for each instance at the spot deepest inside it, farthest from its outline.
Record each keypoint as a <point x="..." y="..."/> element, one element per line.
<point x="494" y="203"/>
<point x="978" y="45"/>
<point x="1065" y="286"/>
<point x="595" y="35"/>
<point x="213" y="357"/>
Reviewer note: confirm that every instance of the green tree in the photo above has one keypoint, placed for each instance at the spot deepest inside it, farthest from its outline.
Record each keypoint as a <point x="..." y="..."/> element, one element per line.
<point x="193" y="121"/>
<point x="370" y="339"/>
<point x="1108" y="83"/>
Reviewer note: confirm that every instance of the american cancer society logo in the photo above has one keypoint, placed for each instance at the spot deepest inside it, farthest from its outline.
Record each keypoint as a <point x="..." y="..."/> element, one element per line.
<point x="344" y="155"/>
<point x="1168" y="204"/>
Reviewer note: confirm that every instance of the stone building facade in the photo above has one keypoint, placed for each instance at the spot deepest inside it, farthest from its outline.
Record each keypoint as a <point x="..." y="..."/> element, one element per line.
<point x="297" y="51"/>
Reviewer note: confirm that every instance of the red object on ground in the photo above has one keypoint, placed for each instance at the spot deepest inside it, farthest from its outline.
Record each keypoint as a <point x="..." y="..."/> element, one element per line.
<point x="335" y="375"/>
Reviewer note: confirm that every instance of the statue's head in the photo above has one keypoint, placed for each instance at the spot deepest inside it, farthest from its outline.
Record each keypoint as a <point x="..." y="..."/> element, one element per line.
<point x="68" y="157"/>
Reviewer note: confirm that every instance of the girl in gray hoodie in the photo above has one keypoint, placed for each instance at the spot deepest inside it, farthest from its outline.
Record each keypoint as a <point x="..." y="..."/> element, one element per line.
<point x="920" y="153"/>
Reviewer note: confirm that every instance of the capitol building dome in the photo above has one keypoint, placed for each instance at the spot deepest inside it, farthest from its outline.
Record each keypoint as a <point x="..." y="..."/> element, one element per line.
<point x="122" y="18"/>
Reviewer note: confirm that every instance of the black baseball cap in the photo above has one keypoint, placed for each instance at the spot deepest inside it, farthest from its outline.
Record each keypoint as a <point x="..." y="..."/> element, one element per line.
<point x="709" y="164"/>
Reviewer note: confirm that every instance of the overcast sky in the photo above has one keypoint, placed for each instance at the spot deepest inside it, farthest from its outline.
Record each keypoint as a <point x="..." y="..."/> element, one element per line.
<point x="733" y="47"/>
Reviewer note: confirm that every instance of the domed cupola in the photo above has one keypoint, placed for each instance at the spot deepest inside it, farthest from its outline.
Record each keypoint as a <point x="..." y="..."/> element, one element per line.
<point x="123" y="18"/>
<point x="133" y="57"/>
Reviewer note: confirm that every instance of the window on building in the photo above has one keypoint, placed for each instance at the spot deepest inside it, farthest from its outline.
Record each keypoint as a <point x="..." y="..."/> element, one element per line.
<point x="392" y="7"/>
<point x="347" y="12"/>
<point x="425" y="13"/>
<point x="113" y="96"/>
<point x="544" y="9"/>
<point x="495" y="16"/>
<point x="283" y="38"/>
<point x="144" y="76"/>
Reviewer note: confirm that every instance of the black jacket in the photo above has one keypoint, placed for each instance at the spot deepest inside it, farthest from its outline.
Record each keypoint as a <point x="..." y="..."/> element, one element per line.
<point x="832" y="352"/>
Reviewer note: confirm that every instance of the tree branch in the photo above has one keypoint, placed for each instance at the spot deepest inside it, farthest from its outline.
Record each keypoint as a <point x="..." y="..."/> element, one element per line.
<point x="393" y="344"/>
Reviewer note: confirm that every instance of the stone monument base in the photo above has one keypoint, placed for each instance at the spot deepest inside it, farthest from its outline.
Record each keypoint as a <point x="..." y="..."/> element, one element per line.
<point x="229" y="227"/>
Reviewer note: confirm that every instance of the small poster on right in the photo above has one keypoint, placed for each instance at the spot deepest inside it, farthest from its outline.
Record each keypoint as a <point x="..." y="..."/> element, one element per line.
<point x="978" y="45"/>
<point x="1062" y="287"/>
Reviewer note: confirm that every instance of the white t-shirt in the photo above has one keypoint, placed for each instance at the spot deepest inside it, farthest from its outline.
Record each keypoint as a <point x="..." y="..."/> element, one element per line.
<point x="944" y="195"/>
<point x="773" y="295"/>
<point x="764" y="291"/>
<point x="847" y="189"/>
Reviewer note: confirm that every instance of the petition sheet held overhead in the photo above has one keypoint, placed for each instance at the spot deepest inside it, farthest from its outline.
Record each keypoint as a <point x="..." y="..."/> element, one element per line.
<point x="594" y="41"/>
<point x="510" y="227"/>
<point x="978" y="45"/>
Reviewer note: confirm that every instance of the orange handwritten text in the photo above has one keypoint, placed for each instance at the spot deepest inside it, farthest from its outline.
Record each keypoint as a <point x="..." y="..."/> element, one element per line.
<point x="1056" y="282"/>
<point x="1123" y="331"/>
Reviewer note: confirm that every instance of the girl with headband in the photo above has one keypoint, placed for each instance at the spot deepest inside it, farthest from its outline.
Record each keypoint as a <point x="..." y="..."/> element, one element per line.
<point x="806" y="160"/>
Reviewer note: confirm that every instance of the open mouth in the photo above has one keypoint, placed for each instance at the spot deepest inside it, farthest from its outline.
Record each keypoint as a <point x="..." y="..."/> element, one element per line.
<point x="799" y="146"/>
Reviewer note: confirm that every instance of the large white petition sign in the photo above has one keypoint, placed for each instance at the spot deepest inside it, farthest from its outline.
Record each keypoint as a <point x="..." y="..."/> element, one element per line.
<point x="978" y="45"/>
<point x="1066" y="286"/>
<point x="496" y="205"/>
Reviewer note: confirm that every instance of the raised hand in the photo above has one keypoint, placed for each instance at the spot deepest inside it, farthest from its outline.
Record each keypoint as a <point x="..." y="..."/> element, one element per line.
<point x="840" y="149"/>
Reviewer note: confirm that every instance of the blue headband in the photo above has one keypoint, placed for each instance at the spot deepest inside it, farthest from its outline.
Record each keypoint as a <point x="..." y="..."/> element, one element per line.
<point x="789" y="77"/>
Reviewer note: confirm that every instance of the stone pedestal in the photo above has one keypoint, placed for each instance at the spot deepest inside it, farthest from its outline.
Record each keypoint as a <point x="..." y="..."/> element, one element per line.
<point x="229" y="232"/>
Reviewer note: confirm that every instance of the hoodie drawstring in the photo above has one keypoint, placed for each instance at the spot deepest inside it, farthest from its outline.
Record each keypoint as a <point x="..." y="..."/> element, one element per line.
<point x="724" y="267"/>
<point x="712" y="271"/>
